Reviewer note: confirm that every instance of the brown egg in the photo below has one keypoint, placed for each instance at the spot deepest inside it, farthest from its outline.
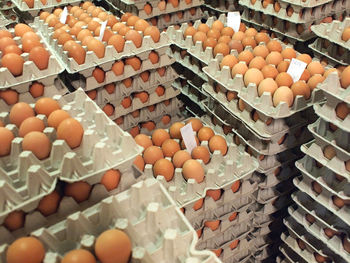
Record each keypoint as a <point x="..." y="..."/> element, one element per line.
<point x="190" y="31"/>
<point x="249" y="41"/>
<point x="143" y="140"/>
<point x="71" y="131"/>
<point x="301" y="88"/>
<point x="257" y="62"/>
<point x="174" y="130"/>
<point x="345" y="79"/>
<point x="196" y="124"/>
<point x="180" y="157"/>
<point x="283" y="94"/>
<point x="301" y="244"/>
<point x="31" y="124"/>
<point x="269" y="71"/>
<point x="274" y="45"/>
<point x="38" y="143"/>
<point x="192" y="169"/>
<point x="261" y="51"/>
<point x="315" y="67"/>
<point x="217" y="25"/>
<point x="241" y="105"/>
<point x="215" y="194"/>
<point x="261" y="37"/>
<point x="274" y="58"/>
<point x="170" y="147"/>
<point x="338" y="202"/>
<point x="233" y="216"/>
<point x="135" y="37"/>
<point x="217" y="252"/>
<point x="253" y="75"/>
<point x="305" y="58"/>
<point x="311" y="219"/>
<point x="236" y="45"/>
<point x="267" y="85"/>
<point x="25" y="249"/>
<point x="153" y="57"/>
<point x="315" y="80"/>
<point x="342" y="110"/>
<point x="284" y="79"/>
<point x="20" y="112"/>
<point x="227" y="31"/>
<point x="283" y="66"/>
<point x="126" y="102"/>
<point x="149" y="125"/>
<point x="213" y="225"/>
<point x="152" y="154"/>
<point x="329" y="232"/>
<point x="118" y="67"/>
<point x="139" y="162"/>
<point x="199" y="36"/>
<point x="305" y="76"/>
<point x="97" y="47"/>
<point x="21" y="29"/>
<point x="231" y="95"/>
<point x="209" y="42"/>
<point x="48" y="205"/>
<point x="78" y="255"/>
<point x="217" y="142"/>
<point x="245" y="56"/>
<point x="346" y="244"/>
<point x="228" y="60"/>
<point x="135" y="62"/>
<point x="201" y="152"/>
<point x="289" y="53"/>
<point x="14" y="63"/>
<point x="164" y="168"/>
<point x="9" y="96"/>
<point x="238" y="36"/>
<point x="198" y="204"/>
<point x="203" y="28"/>
<point x="205" y="133"/>
<point x="316" y="187"/>
<point x="14" y="220"/>
<point x="329" y="152"/>
<point x="6" y="41"/>
<point x="159" y="136"/>
<point x="239" y="68"/>
<point x="221" y="48"/>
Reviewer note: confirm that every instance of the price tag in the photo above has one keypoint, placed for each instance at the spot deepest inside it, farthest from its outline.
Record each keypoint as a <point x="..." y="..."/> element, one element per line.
<point x="234" y="20"/>
<point x="296" y="69"/>
<point x="102" y="30"/>
<point x="63" y="16"/>
<point x="188" y="137"/>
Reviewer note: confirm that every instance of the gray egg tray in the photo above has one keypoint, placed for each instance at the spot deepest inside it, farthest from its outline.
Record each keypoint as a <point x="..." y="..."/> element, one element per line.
<point x="289" y="254"/>
<point x="38" y="5"/>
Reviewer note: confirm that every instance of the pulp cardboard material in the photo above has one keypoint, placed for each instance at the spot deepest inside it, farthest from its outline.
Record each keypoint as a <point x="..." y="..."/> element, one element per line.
<point x="290" y="255"/>
<point x="38" y="5"/>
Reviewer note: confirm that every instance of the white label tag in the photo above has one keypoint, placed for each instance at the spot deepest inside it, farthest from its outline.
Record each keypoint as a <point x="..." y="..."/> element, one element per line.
<point x="188" y="137"/>
<point x="102" y="30"/>
<point x="234" y="20"/>
<point x="296" y="69"/>
<point x="63" y="16"/>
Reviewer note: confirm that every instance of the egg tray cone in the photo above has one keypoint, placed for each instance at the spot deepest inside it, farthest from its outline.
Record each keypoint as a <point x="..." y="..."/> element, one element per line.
<point x="100" y="150"/>
<point x="289" y="254"/>
<point x="35" y="220"/>
<point x="91" y="60"/>
<point x="30" y="71"/>
<point x="240" y="254"/>
<point x="300" y="15"/>
<point x="147" y="197"/>
<point x="336" y="165"/>
<point x="333" y="32"/>
<point x="38" y="5"/>
<point x="331" y="53"/>
<point x="217" y="103"/>
<point x="138" y="7"/>
<point x="316" y="229"/>
<point x="6" y="17"/>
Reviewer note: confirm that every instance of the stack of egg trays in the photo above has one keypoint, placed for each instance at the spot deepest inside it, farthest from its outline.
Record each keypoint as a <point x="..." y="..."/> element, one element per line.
<point x="21" y="84"/>
<point x="315" y="167"/>
<point x="82" y="74"/>
<point x="329" y="42"/>
<point x="216" y="8"/>
<point x="6" y="5"/>
<point x="146" y="209"/>
<point x="137" y="7"/>
<point x="25" y="179"/>
<point x="8" y="17"/>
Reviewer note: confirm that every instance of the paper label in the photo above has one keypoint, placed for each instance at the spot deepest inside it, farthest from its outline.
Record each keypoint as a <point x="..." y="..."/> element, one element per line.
<point x="296" y="69"/>
<point x="102" y="30"/>
<point x="63" y="16"/>
<point x="234" y="20"/>
<point x="188" y="137"/>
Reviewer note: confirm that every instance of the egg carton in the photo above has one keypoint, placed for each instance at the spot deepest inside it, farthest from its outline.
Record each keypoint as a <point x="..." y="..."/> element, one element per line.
<point x="6" y="5"/>
<point x="88" y="82"/>
<point x="163" y="23"/>
<point x="334" y="53"/>
<point x="137" y="85"/>
<point x="147" y="197"/>
<point x="8" y="17"/>
<point x="267" y="195"/>
<point x="276" y="144"/>
<point x="177" y="36"/>
<point x="190" y="74"/>
<point x="91" y="60"/>
<point x="30" y="70"/>
<point x="273" y="206"/>
<point x="215" y="8"/>
<point x="263" y="222"/>
<point x="35" y="220"/>
<point x="88" y="162"/>
<point x="320" y="213"/>
<point x="316" y="229"/>
<point x="300" y="15"/>
<point x="333" y="32"/>
<point x="191" y="92"/>
<point x="336" y="165"/>
<point x="138" y="8"/>
<point x="136" y="103"/>
<point x="304" y="4"/>
<point x="325" y="199"/>
<point x="333" y="91"/>
<point x="312" y="244"/>
<point x="289" y="254"/>
<point x="217" y="102"/>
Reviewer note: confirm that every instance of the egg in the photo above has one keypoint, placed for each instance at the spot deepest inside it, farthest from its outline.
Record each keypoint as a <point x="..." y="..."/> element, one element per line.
<point x="315" y="67"/>
<point x="316" y="187"/>
<point x="201" y="152"/>
<point x="14" y="220"/>
<point x="284" y="79"/>
<point x="274" y="45"/>
<point x="78" y="53"/>
<point x="217" y="25"/>
<point x="346" y="34"/>
<point x="218" y="143"/>
<point x="205" y="133"/>
<point x="46" y="106"/>
<point x="126" y="102"/>
<point x="36" y="89"/>
<point x="135" y="62"/>
<point x="25" y="249"/>
<point x="342" y="110"/>
<point x="180" y="157"/>
<point x="159" y="136"/>
<point x="71" y="131"/>
<point x="21" y="29"/>
<point x="198" y="204"/>
<point x="329" y="152"/>
<point x="170" y="147"/>
<point x="164" y="168"/>
<point x="305" y="58"/>
<point x="139" y="163"/>
<point x="329" y="232"/>
<point x="153" y="32"/>
<point x="314" y="81"/>
<point x="78" y="255"/>
<point x="174" y="130"/>
<point x="97" y="47"/>
<point x="346" y="244"/>
<point x="267" y="85"/>
<point x="311" y="219"/>
<point x="239" y="68"/>
<point x="236" y="45"/>
<point x="31" y="124"/>
<point x="213" y="225"/>
<point x="253" y="75"/>
<point x="301" y="88"/>
<point x="149" y="125"/>
<point x="192" y="169"/>
<point x="196" y="124"/>
<point x="19" y="112"/>
<point x="79" y="191"/>
<point x="283" y="94"/>
<point x="215" y="194"/>
<point x="261" y="51"/>
<point x="289" y="53"/>
<point x="217" y="252"/>
<point x="245" y="56"/>
<point x="166" y="119"/>
<point x="92" y="94"/>
<point x="344" y="78"/>
<point x="48" y="205"/>
<point x="283" y="66"/>
<point x="249" y="41"/>
<point x="111" y="179"/>
<point x="6" y="41"/>
<point x="56" y="117"/>
<point x="301" y="244"/>
<point x="118" y="68"/>
<point x="98" y="74"/>
<point x="113" y="246"/>
<point x="38" y="143"/>
<point x="14" y="63"/>
<point x="257" y="62"/>
<point x="152" y="154"/>
<point x="142" y="96"/>
<point x="221" y="48"/>
<point x="143" y="140"/>
<point x="261" y="37"/>
<point x="229" y="61"/>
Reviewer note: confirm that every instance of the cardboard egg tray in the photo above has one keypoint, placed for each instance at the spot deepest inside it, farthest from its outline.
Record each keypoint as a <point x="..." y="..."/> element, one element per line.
<point x="336" y="165"/>
<point x="317" y="230"/>
<point x="273" y="206"/>
<point x="91" y="60"/>
<point x="304" y="4"/>
<point x="34" y="219"/>
<point x="87" y="81"/>
<point x="239" y="254"/>
<point x="325" y="199"/>
<point x="38" y="5"/>
<point x="300" y="15"/>
<point x="332" y="53"/>
<point x="137" y="85"/>
<point x="8" y="17"/>
<point x="262" y="223"/>
<point x="289" y="254"/>
<point x="163" y="23"/>
<point x="6" y="5"/>
<point x="30" y="70"/>
<point x="136" y="103"/>
<point x="148" y="198"/>
<point x="333" y="32"/>
<point x="276" y="144"/>
<point x="215" y="8"/>
<point x="100" y="150"/>
<point x="267" y="195"/>
<point x="218" y="103"/>
<point x="138" y="8"/>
